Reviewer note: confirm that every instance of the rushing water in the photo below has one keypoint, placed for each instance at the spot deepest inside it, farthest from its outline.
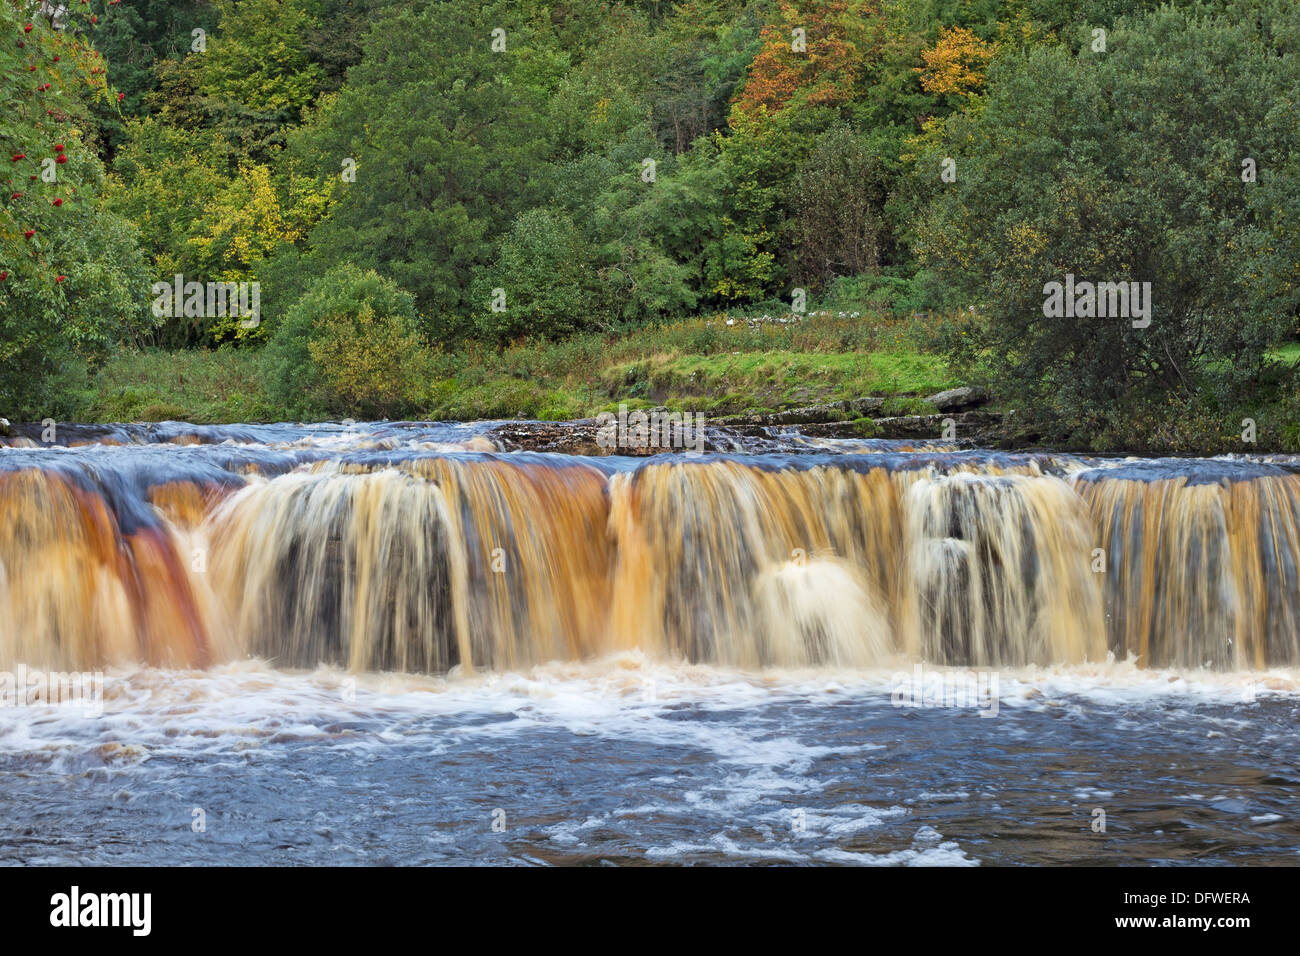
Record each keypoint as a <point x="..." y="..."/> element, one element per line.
<point x="395" y="644"/>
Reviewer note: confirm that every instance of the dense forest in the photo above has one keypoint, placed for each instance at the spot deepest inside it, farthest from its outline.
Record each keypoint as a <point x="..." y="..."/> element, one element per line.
<point x="416" y="186"/>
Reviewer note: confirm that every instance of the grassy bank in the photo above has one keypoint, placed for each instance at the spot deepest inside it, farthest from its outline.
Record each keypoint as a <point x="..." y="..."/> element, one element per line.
<point x="704" y="365"/>
<point x="719" y="365"/>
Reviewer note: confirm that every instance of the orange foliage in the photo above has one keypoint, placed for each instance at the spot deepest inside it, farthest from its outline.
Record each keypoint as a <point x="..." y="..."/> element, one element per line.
<point x="836" y="39"/>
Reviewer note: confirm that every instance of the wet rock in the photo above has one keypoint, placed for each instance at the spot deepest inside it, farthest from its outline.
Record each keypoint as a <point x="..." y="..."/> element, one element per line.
<point x="957" y="399"/>
<point x="808" y="414"/>
<point x="754" y="434"/>
<point x="581" y="437"/>
<point x="566" y="438"/>
<point x="981" y="427"/>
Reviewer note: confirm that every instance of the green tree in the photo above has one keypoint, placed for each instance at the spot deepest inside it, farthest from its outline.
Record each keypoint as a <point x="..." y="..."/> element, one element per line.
<point x="72" y="279"/>
<point x="254" y="79"/>
<point x="449" y="139"/>
<point x="836" y="204"/>
<point x="544" y="277"/>
<point x="1127" y="166"/>
<point x="133" y="39"/>
<point x="350" y="346"/>
<point x="163" y="181"/>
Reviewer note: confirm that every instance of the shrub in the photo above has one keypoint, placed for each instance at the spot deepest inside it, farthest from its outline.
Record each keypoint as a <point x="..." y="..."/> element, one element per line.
<point x="544" y="270"/>
<point x="1127" y="167"/>
<point x="349" y="346"/>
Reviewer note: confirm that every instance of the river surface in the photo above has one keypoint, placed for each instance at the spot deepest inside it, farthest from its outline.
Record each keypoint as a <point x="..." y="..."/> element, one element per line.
<point x="622" y="761"/>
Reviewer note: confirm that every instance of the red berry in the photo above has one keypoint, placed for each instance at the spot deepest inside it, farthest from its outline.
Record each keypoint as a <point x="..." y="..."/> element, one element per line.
<point x="58" y="147"/>
<point x="58" y="202"/>
<point x="61" y="158"/>
<point x="29" y="233"/>
<point x="27" y="29"/>
<point x="16" y="196"/>
<point x="94" y="19"/>
<point x="59" y="278"/>
<point x="56" y="58"/>
<point x="121" y="97"/>
<point x="18" y="156"/>
<point x="4" y="276"/>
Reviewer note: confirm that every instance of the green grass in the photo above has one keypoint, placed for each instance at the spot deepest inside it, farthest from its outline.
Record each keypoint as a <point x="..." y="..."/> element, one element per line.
<point x="724" y="384"/>
<point x="699" y="364"/>
<point x="197" y="386"/>
<point x="1289" y="353"/>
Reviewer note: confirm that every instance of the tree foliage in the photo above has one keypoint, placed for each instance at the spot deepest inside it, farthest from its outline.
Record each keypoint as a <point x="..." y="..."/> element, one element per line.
<point x="72" y="280"/>
<point x="1128" y="166"/>
<point x="350" y="346"/>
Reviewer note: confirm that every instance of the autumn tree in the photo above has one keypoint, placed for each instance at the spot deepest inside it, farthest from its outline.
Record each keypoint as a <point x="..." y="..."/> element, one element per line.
<point x="815" y="55"/>
<point x="955" y="65"/>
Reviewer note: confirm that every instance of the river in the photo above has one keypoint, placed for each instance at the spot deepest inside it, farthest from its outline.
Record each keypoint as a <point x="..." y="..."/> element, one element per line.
<point x="395" y="643"/>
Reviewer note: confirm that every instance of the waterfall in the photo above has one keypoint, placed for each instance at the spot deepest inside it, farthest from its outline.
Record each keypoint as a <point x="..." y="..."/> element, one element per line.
<point x="425" y="559"/>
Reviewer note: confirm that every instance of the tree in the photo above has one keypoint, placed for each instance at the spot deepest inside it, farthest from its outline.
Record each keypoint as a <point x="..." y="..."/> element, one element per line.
<point x="350" y="346"/>
<point x="703" y="51"/>
<point x="836" y="204"/>
<point x="1128" y="166"/>
<point x="449" y="139"/>
<point x="133" y="39"/>
<point x="955" y="65"/>
<point x="547" y="286"/>
<point x="163" y="181"/>
<point x="814" y="56"/>
<point x="252" y="82"/>
<point x="72" y="280"/>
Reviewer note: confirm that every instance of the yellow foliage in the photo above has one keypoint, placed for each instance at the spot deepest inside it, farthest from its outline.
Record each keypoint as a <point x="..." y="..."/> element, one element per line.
<point x="246" y="226"/>
<point x="372" y="364"/>
<point x="956" y="63"/>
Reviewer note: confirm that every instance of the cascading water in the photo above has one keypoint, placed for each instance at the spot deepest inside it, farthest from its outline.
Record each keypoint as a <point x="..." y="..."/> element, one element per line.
<point x="411" y="554"/>
<point x="421" y="566"/>
<point x="999" y="571"/>
<point x="1202" y="561"/>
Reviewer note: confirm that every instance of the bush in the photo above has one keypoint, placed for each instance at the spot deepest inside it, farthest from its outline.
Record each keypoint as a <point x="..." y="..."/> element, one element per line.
<point x="1126" y="166"/>
<point x="350" y="346"/>
<point x="836" y="200"/>
<point x="544" y="270"/>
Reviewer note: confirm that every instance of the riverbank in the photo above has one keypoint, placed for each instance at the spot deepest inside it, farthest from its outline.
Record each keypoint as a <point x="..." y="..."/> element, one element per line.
<point x="715" y="366"/>
<point x="832" y="374"/>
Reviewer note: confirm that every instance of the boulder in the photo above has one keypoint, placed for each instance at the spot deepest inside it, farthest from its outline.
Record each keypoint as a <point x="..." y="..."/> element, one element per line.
<point x="956" y="399"/>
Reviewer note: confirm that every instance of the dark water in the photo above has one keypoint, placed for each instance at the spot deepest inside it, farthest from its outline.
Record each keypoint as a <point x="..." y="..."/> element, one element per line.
<point x="625" y="762"/>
